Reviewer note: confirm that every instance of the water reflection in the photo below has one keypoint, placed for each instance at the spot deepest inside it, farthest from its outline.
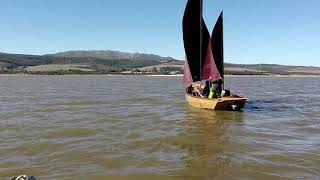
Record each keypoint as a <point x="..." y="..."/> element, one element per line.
<point x="205" y="139"/>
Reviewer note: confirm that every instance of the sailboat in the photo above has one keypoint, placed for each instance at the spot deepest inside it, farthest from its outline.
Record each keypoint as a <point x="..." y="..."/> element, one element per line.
<point x="204" y="61"/>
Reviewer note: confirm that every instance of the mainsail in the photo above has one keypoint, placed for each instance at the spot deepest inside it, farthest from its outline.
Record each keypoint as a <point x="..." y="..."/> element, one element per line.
<point x="199" y="63"/>
<point x="217" y="44"/>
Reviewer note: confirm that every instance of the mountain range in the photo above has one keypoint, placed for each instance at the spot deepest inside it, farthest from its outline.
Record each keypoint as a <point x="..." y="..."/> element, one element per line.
<point x="107" y="61"/>
<point x="108" y="54"/>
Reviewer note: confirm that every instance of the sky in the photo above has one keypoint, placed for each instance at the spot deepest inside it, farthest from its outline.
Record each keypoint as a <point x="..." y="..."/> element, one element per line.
<point x="255" y="31"/>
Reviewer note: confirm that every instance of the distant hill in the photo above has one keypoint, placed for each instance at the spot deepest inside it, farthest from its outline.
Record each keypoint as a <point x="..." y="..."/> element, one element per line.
<point x="106" y="61"/>
<point x="270" y="69"/>
<point x="108" y="54"/>
<point x="247" y="69"/>
<point x="99" y="60"/>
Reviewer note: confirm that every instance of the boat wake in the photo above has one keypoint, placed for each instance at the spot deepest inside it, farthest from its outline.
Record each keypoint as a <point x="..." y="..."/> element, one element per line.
<point x="265" y="105"/>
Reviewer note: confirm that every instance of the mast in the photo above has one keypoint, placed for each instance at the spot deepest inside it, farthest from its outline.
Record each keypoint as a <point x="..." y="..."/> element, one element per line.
<point x="222" y="49"/>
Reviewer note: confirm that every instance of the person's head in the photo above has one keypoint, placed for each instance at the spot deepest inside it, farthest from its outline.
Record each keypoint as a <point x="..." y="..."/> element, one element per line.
<point x="219" y="81"/>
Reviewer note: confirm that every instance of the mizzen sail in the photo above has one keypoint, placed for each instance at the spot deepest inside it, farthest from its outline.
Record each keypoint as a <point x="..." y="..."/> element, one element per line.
<point x="209" y="68"/>
<point x="217" y="44"/>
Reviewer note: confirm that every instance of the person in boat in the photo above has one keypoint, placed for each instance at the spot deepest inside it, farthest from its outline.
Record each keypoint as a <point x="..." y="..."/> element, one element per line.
<point x="206" y="89"/>
<point x="225" y="93"/>
<point x="216" y="89"/>
<point x="191" y="90"/>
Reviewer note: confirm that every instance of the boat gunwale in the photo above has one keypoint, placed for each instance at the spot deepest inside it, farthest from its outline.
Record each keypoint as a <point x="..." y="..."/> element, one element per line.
<point x="227" y="98"/>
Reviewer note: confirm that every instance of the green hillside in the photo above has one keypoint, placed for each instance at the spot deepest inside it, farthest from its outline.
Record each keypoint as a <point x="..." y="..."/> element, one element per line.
<point x="80" y="62"/>
<point x="18" y="62"/>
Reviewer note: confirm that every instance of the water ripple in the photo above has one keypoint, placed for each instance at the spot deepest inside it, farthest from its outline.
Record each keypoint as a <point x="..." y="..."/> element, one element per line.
<point x="139" y="127"/>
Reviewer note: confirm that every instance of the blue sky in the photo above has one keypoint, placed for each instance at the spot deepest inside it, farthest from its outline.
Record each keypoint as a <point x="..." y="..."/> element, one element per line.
<point x="256" y="31"/>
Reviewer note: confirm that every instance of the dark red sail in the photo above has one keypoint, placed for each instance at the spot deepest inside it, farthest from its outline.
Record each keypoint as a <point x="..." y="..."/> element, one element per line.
<point x="209" y="69"/>
<point x="217" y="44"/>
<point x="195" y="36"/>
<point x="197" y="44"/>
<point x="187" y="78"/>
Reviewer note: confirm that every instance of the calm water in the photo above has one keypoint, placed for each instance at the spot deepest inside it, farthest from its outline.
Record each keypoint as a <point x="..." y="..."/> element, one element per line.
<point x="138" y="127"/>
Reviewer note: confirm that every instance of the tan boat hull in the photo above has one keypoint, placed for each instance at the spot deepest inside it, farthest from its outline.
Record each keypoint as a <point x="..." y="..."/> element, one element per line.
<point x="223" y="103"/>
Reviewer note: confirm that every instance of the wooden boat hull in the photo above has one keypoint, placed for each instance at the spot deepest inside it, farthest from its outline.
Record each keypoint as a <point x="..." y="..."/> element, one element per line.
<point x="233" y="102"/>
